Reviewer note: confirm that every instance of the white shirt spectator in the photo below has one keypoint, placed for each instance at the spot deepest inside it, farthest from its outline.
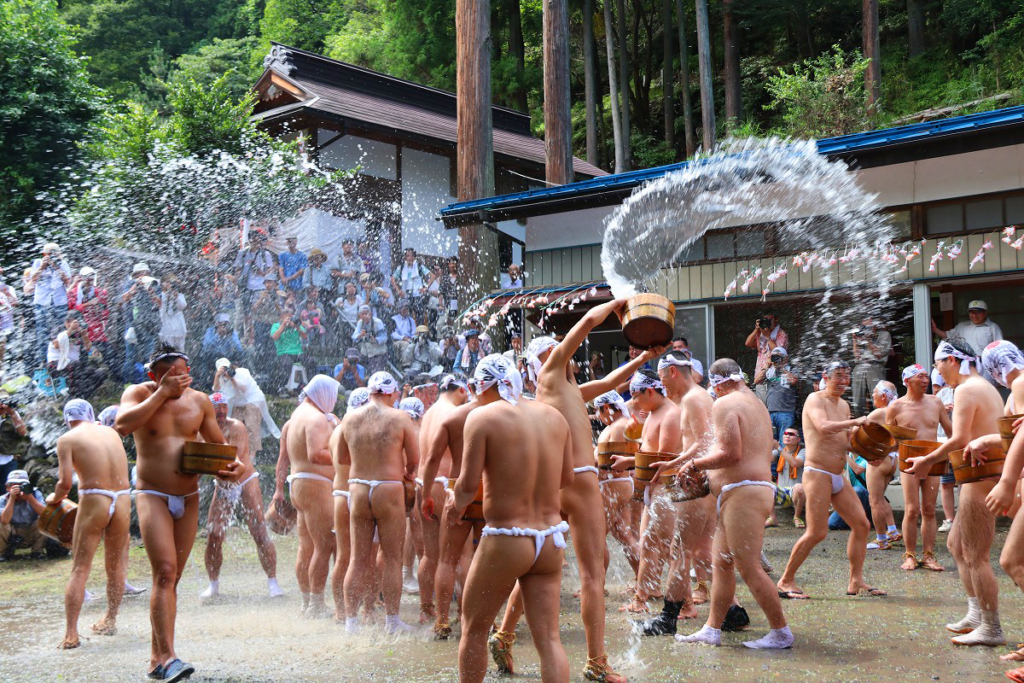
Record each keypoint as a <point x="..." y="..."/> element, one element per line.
<point x="172" y="319"/>
<point x="405" y="326"/>
<point x="977" y="336"/>
<point x="64" y="353"/>
<point x="49" y="288"/>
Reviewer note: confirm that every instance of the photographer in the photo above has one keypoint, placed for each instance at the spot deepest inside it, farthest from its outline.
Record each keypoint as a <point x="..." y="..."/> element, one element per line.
<point x="20" y="508"/>
<point x="371" y="336"/>
<point x="49" y="277"/>
<point x="69" y="356"/>
<point x="246" y="402"/>
<point x="288" y="336"/>
<point x="780" y="382"/>
<point x="871" y="347"/>
<point x="349" y="372"/>
<point x="766" y="337"/>
<point x="423" y="353"/>
<point x="13" y="433"/>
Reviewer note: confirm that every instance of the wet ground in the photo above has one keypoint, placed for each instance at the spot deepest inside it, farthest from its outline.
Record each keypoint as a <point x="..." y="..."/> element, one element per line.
<point x="247" y="637"/>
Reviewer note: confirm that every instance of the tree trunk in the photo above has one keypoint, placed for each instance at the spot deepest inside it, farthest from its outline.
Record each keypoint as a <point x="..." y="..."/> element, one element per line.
<point x="707" y="96"/>
<point x="557" y="115"/>
<point x="613" y="88"/>
<point x="733" y="91"/>
<point x="517" y="47"/>
<point x="667" y="72"/>
<point x="873" y="75"/>
<point x="478" y="245"/>
<point x="590" y="80"/>
<point x="915" y="27"/>
<point x="627" y="161"/>
<point x="684" y="67"/>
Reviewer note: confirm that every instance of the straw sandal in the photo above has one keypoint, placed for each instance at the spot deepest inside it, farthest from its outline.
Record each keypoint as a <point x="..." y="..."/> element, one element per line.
<point x="442" y="631"/>
<point x="1015" y="656"/>
<point x="929" y="562"/>
<point x="597" y="669"/>
<point x="501" y="650"/>
<point x="908" y="558"/>
<point x="798" y="523"/>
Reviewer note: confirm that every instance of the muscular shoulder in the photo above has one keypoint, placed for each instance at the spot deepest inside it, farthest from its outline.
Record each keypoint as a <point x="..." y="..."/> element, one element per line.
<point x="138" y="392"/>
<point x="697" y="400"/>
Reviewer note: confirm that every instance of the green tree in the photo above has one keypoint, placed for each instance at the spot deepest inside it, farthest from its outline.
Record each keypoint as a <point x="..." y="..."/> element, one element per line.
<point x="46" y="104"/>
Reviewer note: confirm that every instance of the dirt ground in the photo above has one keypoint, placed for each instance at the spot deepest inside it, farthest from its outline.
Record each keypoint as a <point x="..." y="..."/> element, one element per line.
<point x="245" y="636"/>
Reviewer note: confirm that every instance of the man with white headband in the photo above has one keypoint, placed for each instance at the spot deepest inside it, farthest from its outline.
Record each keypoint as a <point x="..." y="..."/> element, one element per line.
<point x="581" y="502"/>
<point x="310" y="483"/>
<point x="226" y="498"/>
<point x="975" y="413"/>
<point x="621" y="512"/>
<point x="96" y="454"/>
<point x="413" y="407"/>
<point x="738" y="468"/>
<point x="695" y="519"/>
<point x="380" y="445"/>
<point x="522" y="455"/>
<point x="359" y="397"/>
<point x="826" y="426"/>
<point x="924" y="413"/>
<point x="162" y="414"/>
<point x="1004" y="362"/>
<point x="879" y="474"/>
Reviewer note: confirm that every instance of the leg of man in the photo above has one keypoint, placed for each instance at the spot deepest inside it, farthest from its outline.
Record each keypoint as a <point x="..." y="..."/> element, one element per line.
<point x="168" y="544"/>
<point x="5" y="535"/>
<point x="303" y="557"/>
<point x="617" y="516"/>
<point x="849" y="507"/>
<point x="817" y="488"/>
<point x="655" y="544"/>
<point x="799" y="501"/>
<point x="698" y="534"/>
<point x="745" y="538"/>
<point x="497" y="565"/>
<point x="911" y="515"/>
<point x="389" y="512"/>
<point x="361" y="525"/>
<point x="1012" y="557"/>
<point x="341" y="556"/>
<point x="89" y="526"/>
<point x="975" y="525"/>
<point x="541" y="589"/>
<point x="115" y="543"/>
<point x="948" y="501"/>
<point x="32" y="537"/>
<point x="217" y="519"/>
<point x="454" y="534"/>
<point x="252" y="509"/>
<point x="723" y="591"/>
<point x="929" y="527"/>
<point x="877" y="479"/>
<point x="313" y="500"/>
<point x="427" y="569"/>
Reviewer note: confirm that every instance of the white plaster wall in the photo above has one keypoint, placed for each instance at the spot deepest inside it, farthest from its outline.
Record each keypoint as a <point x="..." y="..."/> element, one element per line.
<point x="425" y="191"/>
<point x="374" y="158"/>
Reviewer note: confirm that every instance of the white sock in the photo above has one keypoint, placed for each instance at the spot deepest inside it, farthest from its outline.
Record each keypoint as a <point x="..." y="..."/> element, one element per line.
<point x="305" y="600"/>
<point x="777" y="639"/>
<point x="880" y="537"/>
<point x="973" y="609"/>
<point x="891" y="529"/>
<point x="87" y="596"/>
<point x="990" y="618"/>
<point x="988" y="632"/>
<point x="394" y="624"/>
<point x="274" y="590"/>
<point x="707" y="635"/>
<point x="351" y="624"/>
<point x="212" y="590"/>
<point x="972" y="620"/>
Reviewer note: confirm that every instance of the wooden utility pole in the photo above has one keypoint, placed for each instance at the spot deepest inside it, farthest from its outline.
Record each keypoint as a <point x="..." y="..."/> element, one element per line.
<point x="667" y="72"/>
<point x="873" y="75"/>
<point x="627" y="154"/>
<point x="613" y="88"/>
<point x="733" y="91"/>
<point x="915" y="27"/>
<point x="684" y="68"/>
<point x="557" y="113"/>
<point x="707" y="96"/>
<point x="517" y="47"/>
<point x="478" y="245"/>
<point x="590" y="84"/>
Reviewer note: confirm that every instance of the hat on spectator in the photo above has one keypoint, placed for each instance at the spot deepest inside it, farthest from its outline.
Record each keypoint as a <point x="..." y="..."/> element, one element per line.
<point x="222" y="363"/>
<point x="17" y="477"/>
<point x="86" y="271"/>
<point x="422" y="329"/>
<point x="779" y="351"/>
<point x="364" y="277"/>
<point x="291" y="238"/>
<point x="50" y="248"/>
<point x="977" y="305"/>
<point x="271" y="275"/>
<point x="352" y="353"/>
<point x="316" y="253"/>
<point x="364" y="309"/>
<point x="468" y="334"/>
<point x="140" y="267"/>
<point x="222" y="318"/>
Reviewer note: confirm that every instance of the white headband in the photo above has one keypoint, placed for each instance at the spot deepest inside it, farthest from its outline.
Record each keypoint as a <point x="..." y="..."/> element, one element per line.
<point x="78" y="409"/>
<point x="382" y="383"/>
<point x="495" y="369"/>
<point x="913" y="371"/>
<point x="358" y="398"/>
<point x="322" y="391"/>
<point x="669" y="361"/>
<point x="885" y="391"/>
<point x="641" y="382"/>
<point x="451" y="380"/>
<point x="714" y="380"/>
<point x="538" y="345"/>
<point x="613" y="399"/>
<point x="1000" y="358"/>
<point x="413" y="406"/>
<point x="946" y="349"/>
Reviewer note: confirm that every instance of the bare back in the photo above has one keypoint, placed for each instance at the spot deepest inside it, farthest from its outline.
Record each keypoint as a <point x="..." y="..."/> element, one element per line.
<point x="742" y="427"/>
<point x="556" y="388"/>
<point x="309" y="431"/>
<point x="977" y="408"/>
<point x="97" y="456"/>
<point x="525" y="457"/>
<point x="695" y="410"/>
<point x="429" y="428"/>
<point x="381" y="443"/>
<point x="451" y="428"/>
<point x="825" y="452"/>
<point x="341" y="470"/>
<point x="922" y="415"/>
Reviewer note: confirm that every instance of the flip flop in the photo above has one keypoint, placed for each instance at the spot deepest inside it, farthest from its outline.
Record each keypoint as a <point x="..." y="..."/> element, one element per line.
<point x="794" y="595"/>
<point x="868" y="593"/>
<point x="1015" y="656"/>
<point x="1016" y="675"/>
<point x="177" y="670"/>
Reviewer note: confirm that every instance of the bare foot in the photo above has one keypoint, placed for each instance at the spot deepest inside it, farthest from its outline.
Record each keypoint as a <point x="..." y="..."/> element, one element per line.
<point x="427" y="617"/>
<point x="909" y="562"/>
<point x="105" y="626"/>
<point x="688" y="611"/>
<point x="636" y="606"/>
<point x="70" y="642"/>
<point x="1015" y="656"/>
<point x="929" y="562"/>
<point x="701" y="594"/>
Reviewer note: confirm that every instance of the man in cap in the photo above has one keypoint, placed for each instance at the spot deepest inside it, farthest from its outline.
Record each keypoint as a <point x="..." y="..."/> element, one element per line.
<point x="379" y="443"/>
<point x="780" y="382"/>
<point x="50" y="276"/>
<point x="96" y="454"/>
<point x="349" y="372"/>
<point x="977" y="332"/>
<point x="826" y="427"/>
<point x="19" y="517"/>
<point x="310" y="482"/>
<point x="924" y="413"/>
<point x="976" y="410"/>
<point x="520" y="452"/>
<point x="404" y="334"/>
<point x="226" y="498"/>
<point x="292" y="264"/>
<point x="141" y="305"/>
<point x="471" y="353"/>
<point x="317" y="273"/>
<point x="162" y="414"/>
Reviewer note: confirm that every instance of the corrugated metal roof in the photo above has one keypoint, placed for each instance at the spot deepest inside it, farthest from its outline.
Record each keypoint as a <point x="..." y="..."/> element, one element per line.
<point x="838" y="146"/>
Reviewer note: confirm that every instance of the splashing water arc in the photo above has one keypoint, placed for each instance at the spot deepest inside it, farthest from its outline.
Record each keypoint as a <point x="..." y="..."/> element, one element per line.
<point x="746" y="182"/>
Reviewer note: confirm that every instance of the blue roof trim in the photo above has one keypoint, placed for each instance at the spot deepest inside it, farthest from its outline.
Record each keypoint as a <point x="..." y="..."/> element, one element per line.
<point x="845" y="144"/>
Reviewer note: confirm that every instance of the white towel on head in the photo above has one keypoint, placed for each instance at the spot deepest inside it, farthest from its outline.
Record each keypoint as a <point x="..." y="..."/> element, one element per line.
<point x="1000" y="358"/>
<point x="641" y="382"/>
<point x="614" y="399"/>
<point x="714" y="380"/>
<point x="78" y="409"/>
<point x="413" y="406"/>
<point x="493" y="370"/>
<point x="108" y="416"/>
<point x="888" y="392"/>
<point x="382" y="383"/>
<point x="538" y="345"/>
<point x="913" y="371"/>
<point x="358" y="398"/>
<point x="945" y="350"/>
<point x="322" y="391"/>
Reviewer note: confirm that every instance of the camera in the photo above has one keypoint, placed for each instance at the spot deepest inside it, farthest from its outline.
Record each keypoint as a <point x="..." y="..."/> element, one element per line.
<point x="26" y="489"/>
<point x="766" y="323"/>
<point x="229" y="371"/>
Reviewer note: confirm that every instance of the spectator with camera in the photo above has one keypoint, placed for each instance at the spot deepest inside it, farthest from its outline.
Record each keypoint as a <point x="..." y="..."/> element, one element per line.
<point x="350" y="264"/>
<point x="371" y="336"/>
<point x="411" y="280"/>
<point x="289" y="336"/>
<point x="871" y="347"/>
<point x="423" y="354"/>
<point x="766" y="337"/>
<point x="89" y="299"/>
<point x="349" y="372"/>
<point x="404" y="334"/>
<point x="70" y="355"/>
<point x="347" y="308"/>
<point x="50" y="277"/>
<point x="780" y="382"/>
<point x="141" y="301"/>
<point x="292" y="264"/>
<point x="246" y="402"/>
<point x="13" y="433"/>
<point x="20" y="508"/>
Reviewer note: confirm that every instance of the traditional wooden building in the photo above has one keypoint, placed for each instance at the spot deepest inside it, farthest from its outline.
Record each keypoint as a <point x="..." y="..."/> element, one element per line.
<point x="400" y="137"/>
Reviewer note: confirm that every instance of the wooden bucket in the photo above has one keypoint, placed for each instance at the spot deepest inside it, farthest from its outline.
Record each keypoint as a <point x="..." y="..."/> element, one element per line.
<point x="966" y="474"/>
<point x="649" y="320"/>
<point x="633" y="433"/>
<point x="58" y="521"/>
<point x="206" y="458"/>
<point x="643" y="473"/>
<point x="281" y="518"/>
<point x="872" y="441"/>
<point x="915" y="448"/>
<point x="475" y="510"/>
<point x="691" y="487"/>
<point x="608" y="449"/>
<point x="901" y="433"/>
<point x="1006" y="430"/>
